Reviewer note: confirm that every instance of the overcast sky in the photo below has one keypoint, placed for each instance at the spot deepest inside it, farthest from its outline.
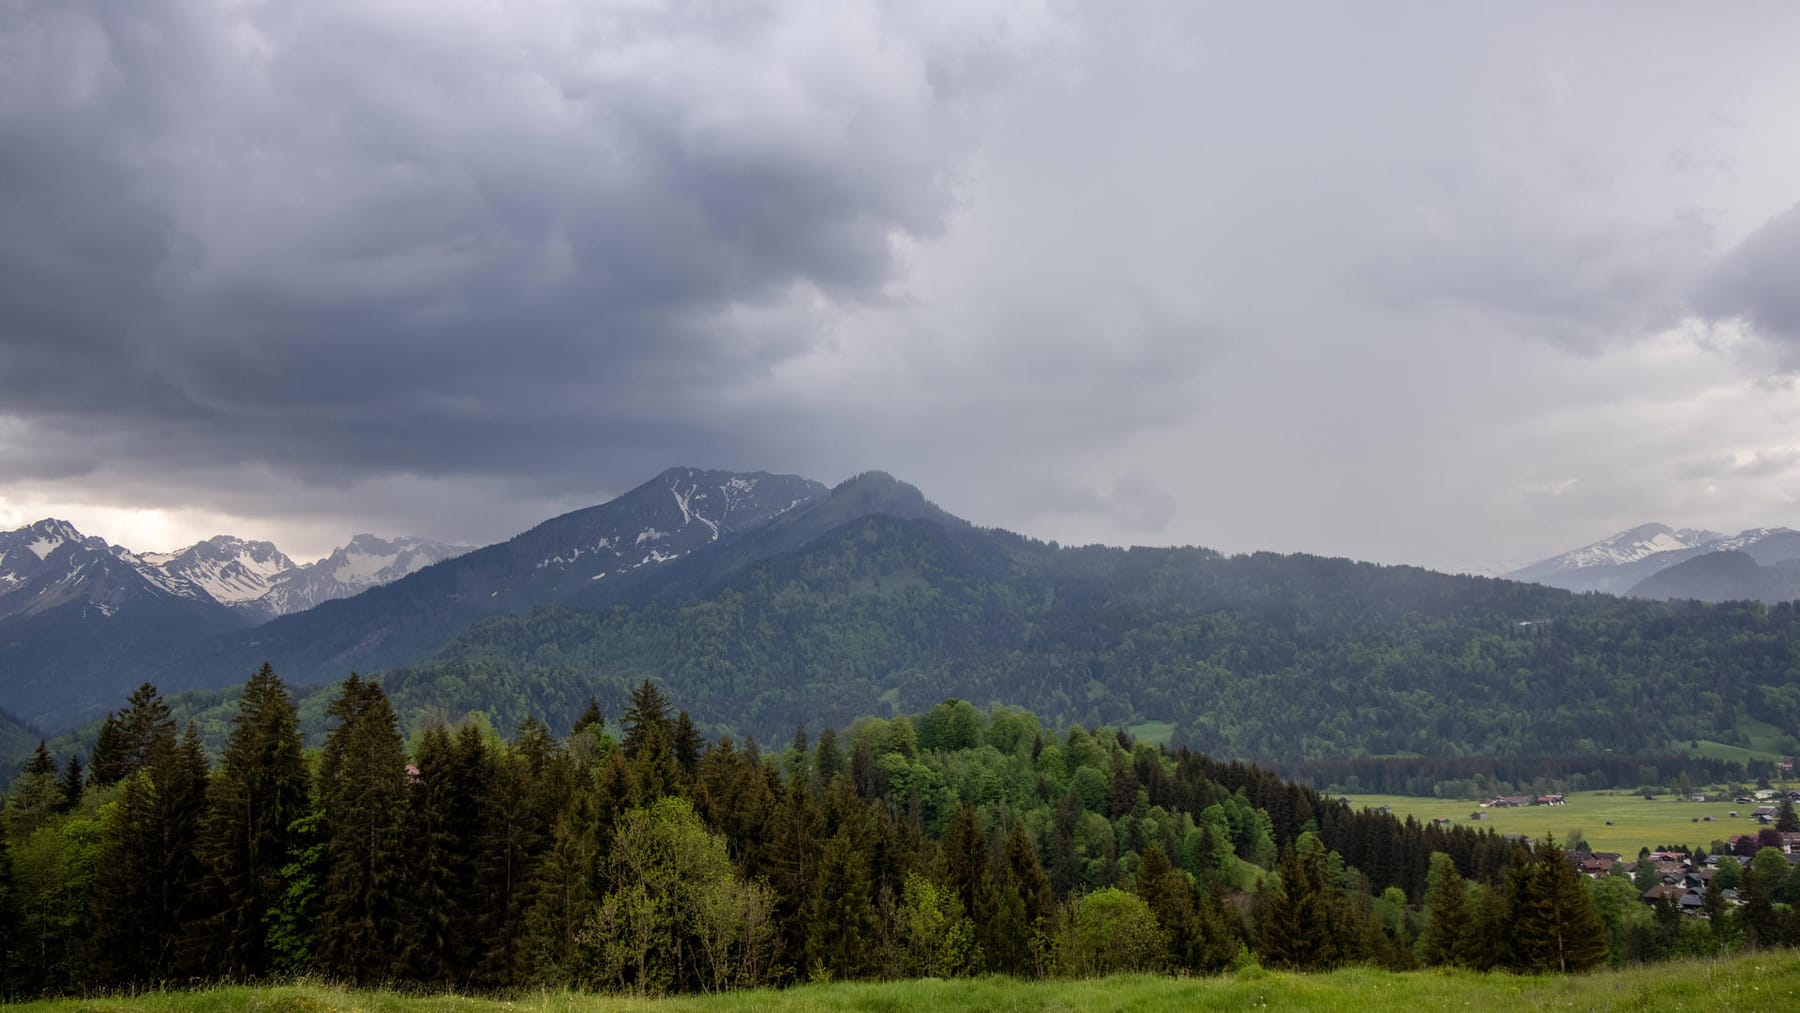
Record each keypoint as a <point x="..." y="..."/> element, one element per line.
<point x="1460" y="285"/>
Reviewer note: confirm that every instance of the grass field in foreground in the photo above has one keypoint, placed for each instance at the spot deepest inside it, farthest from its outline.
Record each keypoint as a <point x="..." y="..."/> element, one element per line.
<point x="1637" y="822"/>
<point x="1755" y="982"/>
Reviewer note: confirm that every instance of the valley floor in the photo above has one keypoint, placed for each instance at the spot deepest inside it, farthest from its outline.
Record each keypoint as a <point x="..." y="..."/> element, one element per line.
<point x="1767" y="981"/>
<point x="1618" y="821"/>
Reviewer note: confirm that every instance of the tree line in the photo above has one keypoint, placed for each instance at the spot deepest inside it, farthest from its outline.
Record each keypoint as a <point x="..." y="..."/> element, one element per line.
<point x="638" y="855"/>
<point x="1464" y="777"/>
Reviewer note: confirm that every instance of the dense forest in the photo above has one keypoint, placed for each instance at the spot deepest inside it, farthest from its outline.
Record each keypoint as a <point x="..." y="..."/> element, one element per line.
<point x="637" y="855"/>
<point x="1253" y="656"/>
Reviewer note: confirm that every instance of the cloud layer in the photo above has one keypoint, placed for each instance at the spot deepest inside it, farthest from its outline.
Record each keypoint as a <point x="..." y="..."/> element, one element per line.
<point x="1349" y="280"/>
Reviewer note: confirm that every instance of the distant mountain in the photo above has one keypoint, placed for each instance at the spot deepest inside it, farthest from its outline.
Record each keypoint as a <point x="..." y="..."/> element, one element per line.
<point x="1619" y="564"/>
<point x="1732" y="575"/>
<point x="78" y="616"/>
<point x="681" y="512"/>
<point x="1258" y="655"/>
<point x="261" y="582"/>
<point x="231" y="571"/>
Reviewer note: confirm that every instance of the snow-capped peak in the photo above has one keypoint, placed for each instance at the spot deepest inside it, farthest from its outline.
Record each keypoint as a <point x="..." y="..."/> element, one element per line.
<point x="232" y="571"/>
<point x="1635" y="544"/>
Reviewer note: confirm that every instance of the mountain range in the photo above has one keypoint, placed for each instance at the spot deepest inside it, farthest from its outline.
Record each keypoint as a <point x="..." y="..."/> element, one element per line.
<point x="73" y="607"/>
<point x="758" y="600"/>
<point x="1660" y="562"/>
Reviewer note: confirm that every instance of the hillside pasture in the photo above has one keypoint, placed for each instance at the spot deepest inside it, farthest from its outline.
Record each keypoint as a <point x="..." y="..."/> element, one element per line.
<point x="1636" y="822"/>
<point x="1766" y="981"/>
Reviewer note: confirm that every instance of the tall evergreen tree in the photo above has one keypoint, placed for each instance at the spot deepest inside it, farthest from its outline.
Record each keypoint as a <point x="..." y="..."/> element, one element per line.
<point x="110" y="761"/>
<point x="1447" y="938"/>
<point x="72" y="784"/>
<point x="438" y="866"/>
<point x="1554" y="927"/>
<point x="150" y="872"/>
<point x="1300" y="925"/>
<point x="362" y="792"/>
<point x="840" y="939"/>
<point x="260" y="791"/>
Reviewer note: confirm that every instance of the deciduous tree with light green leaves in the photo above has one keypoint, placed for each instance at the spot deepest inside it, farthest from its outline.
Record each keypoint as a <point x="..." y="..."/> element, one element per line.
<point x="1109" y="932"/>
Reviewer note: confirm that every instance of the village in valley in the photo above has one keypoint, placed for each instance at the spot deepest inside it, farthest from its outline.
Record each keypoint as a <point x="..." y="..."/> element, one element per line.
<point x="1686" y="852"/>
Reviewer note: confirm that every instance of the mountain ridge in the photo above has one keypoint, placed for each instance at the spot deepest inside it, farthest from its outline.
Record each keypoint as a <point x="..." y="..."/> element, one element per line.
<point x="1618" y="564"/>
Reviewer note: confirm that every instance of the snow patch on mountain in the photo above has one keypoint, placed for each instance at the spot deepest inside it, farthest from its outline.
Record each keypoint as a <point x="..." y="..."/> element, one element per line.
<point x="1619" y="563"/>
<point x="1635" y="544"/>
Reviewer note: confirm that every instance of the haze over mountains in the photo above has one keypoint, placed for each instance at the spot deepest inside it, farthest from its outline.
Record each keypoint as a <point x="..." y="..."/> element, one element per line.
<point x="1657" y="561"/>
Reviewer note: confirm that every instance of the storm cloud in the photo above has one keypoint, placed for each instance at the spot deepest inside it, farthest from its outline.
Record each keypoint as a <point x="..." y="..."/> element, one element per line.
<point x="1376" y="281"/>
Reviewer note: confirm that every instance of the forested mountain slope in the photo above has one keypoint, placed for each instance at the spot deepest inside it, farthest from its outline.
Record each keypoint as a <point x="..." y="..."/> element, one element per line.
<point x="680" y="512"/>
<point x="1256" y="656"/>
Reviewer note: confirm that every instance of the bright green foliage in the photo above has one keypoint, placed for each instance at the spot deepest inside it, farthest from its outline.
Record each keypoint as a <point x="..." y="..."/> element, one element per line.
<point x="52" y="901"/>
<point x="293" y="921"/>
<point x="937" y="940"/>
<point x="1110" y="931"/>
<point x="676" y="914"/>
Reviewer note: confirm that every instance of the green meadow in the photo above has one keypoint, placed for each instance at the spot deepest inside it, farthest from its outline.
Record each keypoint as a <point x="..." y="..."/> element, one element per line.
<point x="1636" y="822"/>
<point x="1769" y="981"/>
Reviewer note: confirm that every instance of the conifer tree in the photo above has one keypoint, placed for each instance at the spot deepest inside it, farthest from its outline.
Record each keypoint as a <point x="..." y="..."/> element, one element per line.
<point x="564" y="896"/>
<point x="72" y="784"/>
<point x="966" y="871"/>
<point x="1031" y="884"/>
<point x="686" y="746"/>
<point x="1300" y="926"/>
<point x="108" y="763"/>
<point x="438" y="869"/>
<point x="590" y="717"/>
<point x="149" y="871"/>
<point x="362" y="792"/>
<point x="260" y="791"/>
<point x="1551" y="916"/>
<point x="1762" y="926"/>
<point x="1447" y="936"/>
<point x="646" y="721"/>
<point x="840" y="940"/>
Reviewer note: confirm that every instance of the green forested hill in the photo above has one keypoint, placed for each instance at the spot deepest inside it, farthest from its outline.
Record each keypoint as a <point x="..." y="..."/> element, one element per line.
<point x="1258" y="656"/>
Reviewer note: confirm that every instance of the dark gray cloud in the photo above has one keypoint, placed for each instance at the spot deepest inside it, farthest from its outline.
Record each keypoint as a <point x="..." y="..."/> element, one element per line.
<point x="1759" y="280"/>
<point x="1402" y="282"/>
<point x="350" y="239"/>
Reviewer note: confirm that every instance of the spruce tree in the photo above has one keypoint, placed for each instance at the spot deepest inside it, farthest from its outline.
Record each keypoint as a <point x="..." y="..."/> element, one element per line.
<point x="72" y="784"/>
<point x="1447" y="937"/>
<point x="1300" y="928"/>
<point x="149" y="873"/>
<point x="362" y="791"/>
<point x="1762" y="925"/>
<point x="261" y="790"/>
<point x="110" y="760"/>
<point x="590" y="717"/>
<point x="435" y="880"/>
<point x="1551" y="917"/>
<point x="840" y="938"/>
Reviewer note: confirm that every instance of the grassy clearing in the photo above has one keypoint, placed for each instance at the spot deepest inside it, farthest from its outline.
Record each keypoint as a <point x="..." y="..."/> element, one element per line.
<point x="1766" y="741"/>
<point x="1757" y="982"/>
<point x="1637" y="822"/>
<point x="1157" y="733"/>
